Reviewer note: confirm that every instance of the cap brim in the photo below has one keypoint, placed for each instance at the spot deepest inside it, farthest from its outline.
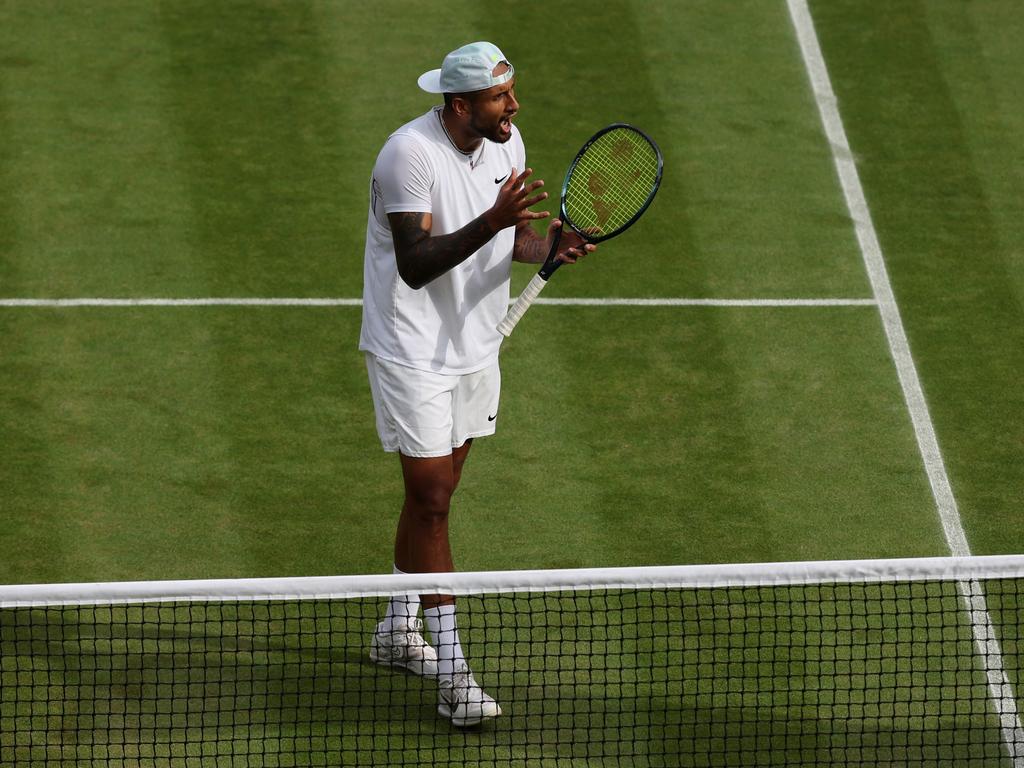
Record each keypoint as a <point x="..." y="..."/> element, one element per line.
<point x="430" y="81"/>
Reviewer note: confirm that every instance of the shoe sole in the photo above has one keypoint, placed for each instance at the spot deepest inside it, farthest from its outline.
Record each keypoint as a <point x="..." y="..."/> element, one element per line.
<point x="419" y="668"/>
<point x="445" y="711"/>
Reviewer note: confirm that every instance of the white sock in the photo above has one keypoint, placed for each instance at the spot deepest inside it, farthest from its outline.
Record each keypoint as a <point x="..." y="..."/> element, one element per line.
<point x="442" y="626"/>
<point x="401" y="610"/>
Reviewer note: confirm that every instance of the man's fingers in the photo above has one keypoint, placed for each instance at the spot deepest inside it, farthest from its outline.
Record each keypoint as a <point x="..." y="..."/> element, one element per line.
<point x="577" y="252"/>
<point x="517" y="197"/>
<point x="516" y="180"/>
<point x="516" y="186"/>
<point x="527" y="189"/>
<point x="522" y="176"/>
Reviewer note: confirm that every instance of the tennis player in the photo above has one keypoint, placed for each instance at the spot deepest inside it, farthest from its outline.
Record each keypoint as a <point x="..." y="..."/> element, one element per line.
<point x="450" y="209"/>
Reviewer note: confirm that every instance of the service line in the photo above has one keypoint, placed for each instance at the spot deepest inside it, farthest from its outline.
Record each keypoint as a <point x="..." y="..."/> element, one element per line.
<point x="325" y="302"/>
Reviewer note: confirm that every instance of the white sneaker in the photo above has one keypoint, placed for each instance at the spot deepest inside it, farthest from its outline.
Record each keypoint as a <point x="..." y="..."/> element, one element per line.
<point x="404" y="646"/>
<point x="463" y="702"/>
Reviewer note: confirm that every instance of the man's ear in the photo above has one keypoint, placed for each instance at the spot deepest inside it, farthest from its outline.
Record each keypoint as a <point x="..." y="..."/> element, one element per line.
<point x="461" y="106"/>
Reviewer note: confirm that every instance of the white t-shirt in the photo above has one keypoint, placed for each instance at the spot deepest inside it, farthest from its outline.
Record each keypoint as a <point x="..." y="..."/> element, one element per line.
<point x="448" y="325"/>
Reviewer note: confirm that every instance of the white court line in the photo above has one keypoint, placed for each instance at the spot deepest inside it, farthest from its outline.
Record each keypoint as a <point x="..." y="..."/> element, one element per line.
<point x="274" y="302"/>
<point x="981" y="623"/>
<point x="707" y="302"/>
<point x="206" y="302"/>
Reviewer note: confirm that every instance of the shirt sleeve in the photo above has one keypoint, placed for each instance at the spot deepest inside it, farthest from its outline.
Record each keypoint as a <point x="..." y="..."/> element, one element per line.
<point x="403" y="176"/>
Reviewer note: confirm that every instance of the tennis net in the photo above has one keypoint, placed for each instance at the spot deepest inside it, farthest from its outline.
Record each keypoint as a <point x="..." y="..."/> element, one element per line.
<point x="862" y="663"/>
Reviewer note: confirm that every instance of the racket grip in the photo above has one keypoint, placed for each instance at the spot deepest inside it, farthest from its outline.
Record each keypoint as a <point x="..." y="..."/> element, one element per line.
<point x="522" y="304"/>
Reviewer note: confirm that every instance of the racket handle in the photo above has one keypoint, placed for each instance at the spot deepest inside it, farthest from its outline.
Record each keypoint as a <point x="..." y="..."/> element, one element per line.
<point x="523" y="303"/>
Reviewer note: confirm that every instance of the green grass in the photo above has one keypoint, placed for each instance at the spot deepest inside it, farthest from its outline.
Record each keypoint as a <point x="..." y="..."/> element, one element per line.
<point x="941" y="156"/>
<point x="640" y="681"/>
<point x="187" y="149"/>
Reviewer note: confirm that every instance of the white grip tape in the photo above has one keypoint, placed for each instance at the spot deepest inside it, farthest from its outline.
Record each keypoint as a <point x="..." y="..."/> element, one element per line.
<point x="522" y="304"/>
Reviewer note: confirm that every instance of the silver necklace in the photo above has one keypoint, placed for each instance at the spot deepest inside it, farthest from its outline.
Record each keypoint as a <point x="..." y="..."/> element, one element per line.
<point x="473" y="162"/>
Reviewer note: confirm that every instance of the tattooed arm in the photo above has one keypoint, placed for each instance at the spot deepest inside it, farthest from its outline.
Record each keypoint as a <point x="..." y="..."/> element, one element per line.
<point x="422" y="257"/>
<point x="531" y="248"/>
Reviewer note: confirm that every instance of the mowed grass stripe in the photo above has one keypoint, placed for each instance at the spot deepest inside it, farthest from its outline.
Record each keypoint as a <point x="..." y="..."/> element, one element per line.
<point x="753" y="178"/>
<point x="123" y="456"/>
<point x="950" y="226"/>
<point x="261" y="144"/>
<point x="100" y="206"/>
<point x="9" y="233"/>
<point x="266" y="152"/>
<point x="874" y="261"/>
<point x="28" y="530"/>
<point x="125" y="459"/>
<point x="664" y="445"/>
<point x="978" y="52"/>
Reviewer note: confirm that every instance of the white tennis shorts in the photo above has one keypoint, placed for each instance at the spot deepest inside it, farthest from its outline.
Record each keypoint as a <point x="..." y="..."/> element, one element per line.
<point x="423" y="414"/>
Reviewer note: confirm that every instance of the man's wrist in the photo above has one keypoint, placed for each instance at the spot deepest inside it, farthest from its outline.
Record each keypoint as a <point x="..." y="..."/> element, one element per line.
<point x="490" y="223"/>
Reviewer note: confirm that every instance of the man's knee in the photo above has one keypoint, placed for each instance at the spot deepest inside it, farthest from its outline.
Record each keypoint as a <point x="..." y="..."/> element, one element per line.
<point x="430" y="501"/>
<point x="429" y="485"/>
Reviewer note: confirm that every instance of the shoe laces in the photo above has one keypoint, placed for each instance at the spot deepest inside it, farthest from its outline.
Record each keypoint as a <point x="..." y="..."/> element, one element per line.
<point x="414" y="633"/>
<point x="460" y="683"/>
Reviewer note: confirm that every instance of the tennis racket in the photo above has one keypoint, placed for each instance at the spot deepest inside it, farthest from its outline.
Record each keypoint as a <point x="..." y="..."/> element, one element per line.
<point x="608" y="186"/>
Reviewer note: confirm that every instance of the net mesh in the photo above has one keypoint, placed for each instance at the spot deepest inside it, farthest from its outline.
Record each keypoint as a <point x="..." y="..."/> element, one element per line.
<point x="847" y="673"/>
<point x="611" y="182"/>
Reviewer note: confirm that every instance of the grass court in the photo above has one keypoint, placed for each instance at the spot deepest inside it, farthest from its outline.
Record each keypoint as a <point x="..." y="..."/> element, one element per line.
<point x="188" y="150"/>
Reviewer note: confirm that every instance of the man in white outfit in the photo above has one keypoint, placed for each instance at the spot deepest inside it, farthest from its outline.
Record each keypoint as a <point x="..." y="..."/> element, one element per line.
<point x="449" y="211"/>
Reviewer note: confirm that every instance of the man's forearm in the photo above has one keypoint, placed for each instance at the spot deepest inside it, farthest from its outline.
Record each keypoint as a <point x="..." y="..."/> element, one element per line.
<point x="422" y="257"/>
<point x="529" y="248"/>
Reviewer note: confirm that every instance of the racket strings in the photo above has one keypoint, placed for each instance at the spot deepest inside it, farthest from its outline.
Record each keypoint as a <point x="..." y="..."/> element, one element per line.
<point x="613" y="181"/>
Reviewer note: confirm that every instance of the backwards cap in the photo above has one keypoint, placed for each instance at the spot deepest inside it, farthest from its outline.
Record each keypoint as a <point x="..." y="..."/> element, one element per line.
<point x="467" y="69"/>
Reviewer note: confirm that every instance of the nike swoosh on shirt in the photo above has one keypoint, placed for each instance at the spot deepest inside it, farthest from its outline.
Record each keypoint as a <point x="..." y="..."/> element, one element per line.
<point x="498" y="181"/>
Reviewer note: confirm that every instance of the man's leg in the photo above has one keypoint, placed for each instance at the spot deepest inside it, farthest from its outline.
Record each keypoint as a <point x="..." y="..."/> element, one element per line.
<point x="422" y="546"/>
<point x="421" y="543"/>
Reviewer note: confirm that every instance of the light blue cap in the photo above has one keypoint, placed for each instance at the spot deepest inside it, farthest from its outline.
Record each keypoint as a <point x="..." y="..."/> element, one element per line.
<point x="467" y="69"/>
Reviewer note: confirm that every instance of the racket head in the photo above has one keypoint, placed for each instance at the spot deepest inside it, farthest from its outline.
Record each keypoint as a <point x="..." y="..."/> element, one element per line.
<point x="611" y="182"/>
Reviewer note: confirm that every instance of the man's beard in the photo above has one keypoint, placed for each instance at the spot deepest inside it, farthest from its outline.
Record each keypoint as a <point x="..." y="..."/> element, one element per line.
<point x="492" y="132"/>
